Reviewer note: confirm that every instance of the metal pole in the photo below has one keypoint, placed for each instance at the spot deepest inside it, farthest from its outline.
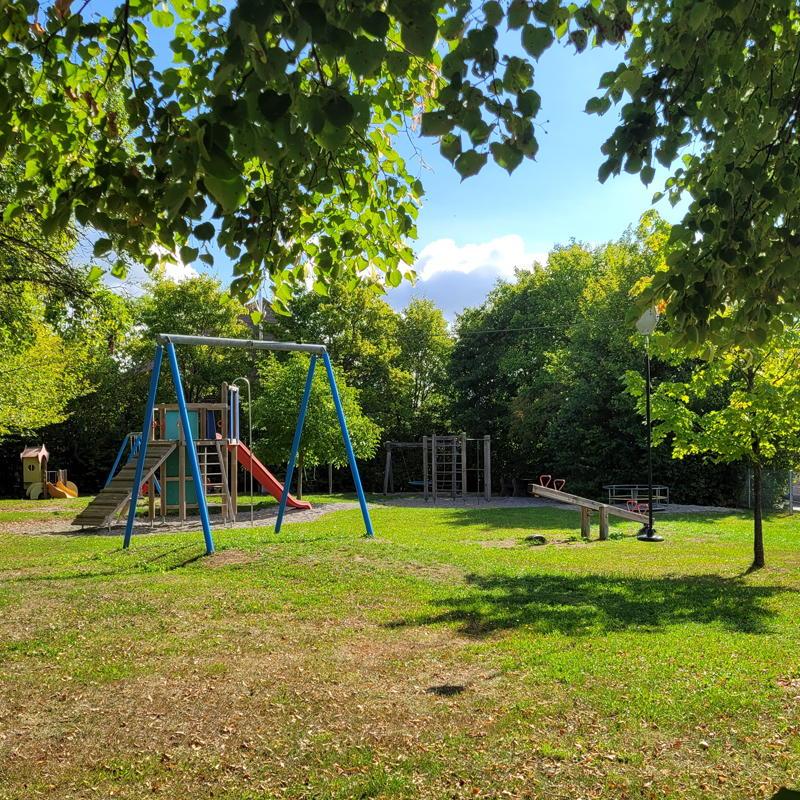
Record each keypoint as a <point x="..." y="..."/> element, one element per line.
<point x="250" y="440"/>
<point x="248" y="344"/>
<point x="148" y="418"/>
<point x="296" y="443"/>
<point x="648" y="535"/>
<point x="119" y="456"/>
<point x="791" y="493"/>
<point x="349" y="447"/>
<point x="199" y="489"/>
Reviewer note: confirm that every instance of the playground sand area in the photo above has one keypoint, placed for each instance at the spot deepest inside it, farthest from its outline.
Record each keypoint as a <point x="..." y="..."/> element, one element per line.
<point x="60" y="523"/>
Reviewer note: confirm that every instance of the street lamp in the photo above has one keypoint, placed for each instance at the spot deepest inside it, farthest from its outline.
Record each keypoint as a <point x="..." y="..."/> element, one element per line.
<point x="646" y="325"/>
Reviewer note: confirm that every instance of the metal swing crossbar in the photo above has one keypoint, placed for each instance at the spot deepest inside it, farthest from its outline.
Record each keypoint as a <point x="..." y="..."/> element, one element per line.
<point x="169" y="341"/>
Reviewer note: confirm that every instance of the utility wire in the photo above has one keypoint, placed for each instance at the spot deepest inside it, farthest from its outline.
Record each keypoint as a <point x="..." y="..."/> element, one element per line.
<point x="458" y="334"/>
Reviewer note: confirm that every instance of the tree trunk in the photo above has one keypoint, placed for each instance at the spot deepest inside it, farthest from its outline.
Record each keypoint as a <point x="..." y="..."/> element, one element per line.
<point x="758" y="535"/>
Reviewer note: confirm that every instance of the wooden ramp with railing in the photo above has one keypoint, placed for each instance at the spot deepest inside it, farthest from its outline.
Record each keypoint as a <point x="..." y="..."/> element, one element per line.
<point x="116" y="496"/>
<point x="587" y="506"/>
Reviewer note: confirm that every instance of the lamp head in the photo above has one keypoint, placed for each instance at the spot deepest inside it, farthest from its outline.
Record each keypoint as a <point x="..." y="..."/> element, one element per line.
<point x="647" y="322"/>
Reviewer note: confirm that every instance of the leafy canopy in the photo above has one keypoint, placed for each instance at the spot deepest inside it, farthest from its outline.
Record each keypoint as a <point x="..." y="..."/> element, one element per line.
<point x="277" y="405"/>
<point x="272" y="130"/>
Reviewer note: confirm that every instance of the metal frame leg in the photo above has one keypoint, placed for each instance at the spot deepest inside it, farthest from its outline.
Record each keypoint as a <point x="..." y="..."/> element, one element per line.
<point x="296" y="443"/>
<point x="191" y="449"/>
<point x="349" y="447"/>
<point x="148" y="417"/>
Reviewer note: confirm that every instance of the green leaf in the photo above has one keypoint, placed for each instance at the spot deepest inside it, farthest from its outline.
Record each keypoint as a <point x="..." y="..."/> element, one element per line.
<point x="95" y="273"/>
<point x="647" y="174"/>
<point x="607" y="168"/>
<point x="376" y="24"/>
<point x="229" y="194"/>
<point x="528" y="103"/>
<point x="418" y="35"/>
<point x="12" y="211"/>
<point x="518" y="14"/>
<point x="204" y="232"/>
<point x="506" y="155"/>
<point x="470" y="163"/>
<point x="698" y="14"/>
<point x="189" y="254"/>
<point x="162" y="19"/>
<point x="364" y="57"/>
<point x="207" y="258"/>
<point x="436" y="123"/>
<point x="450" y="147"/>
<point x="338" y="111"/>
<point x="598" y="105"/>
<point x="273" y="105"/>
<point x="493" y="12"/>
<point x="536" y="40"/>
<point x="101" y="247"/>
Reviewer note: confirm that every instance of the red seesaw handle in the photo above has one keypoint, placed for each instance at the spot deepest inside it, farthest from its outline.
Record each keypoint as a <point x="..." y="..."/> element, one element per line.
<point x="556" y="483"/>
<point x="542" y="482"/>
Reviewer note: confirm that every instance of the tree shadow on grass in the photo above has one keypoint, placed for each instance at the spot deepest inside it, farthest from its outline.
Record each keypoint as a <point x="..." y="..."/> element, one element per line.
<point x="540" y="518"/>
<point x="583" y="604"/>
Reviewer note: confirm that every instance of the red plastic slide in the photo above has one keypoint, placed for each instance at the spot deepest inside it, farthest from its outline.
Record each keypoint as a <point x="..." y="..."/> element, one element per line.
<point x="266" y="478"/>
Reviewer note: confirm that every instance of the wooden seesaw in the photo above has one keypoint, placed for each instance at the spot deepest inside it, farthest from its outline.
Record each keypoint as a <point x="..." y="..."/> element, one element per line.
<point x="586" y="506"/>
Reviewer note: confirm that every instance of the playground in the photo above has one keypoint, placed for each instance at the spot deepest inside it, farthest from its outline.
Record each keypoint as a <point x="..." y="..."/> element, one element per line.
<point x="446" y="657"/>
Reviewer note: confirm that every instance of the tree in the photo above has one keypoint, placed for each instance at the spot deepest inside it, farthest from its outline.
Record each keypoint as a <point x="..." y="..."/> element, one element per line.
<point x="277" y="407"/>
<point x="540" y="368"/>
<point x="360" y="330"/>
<point x="195" y="307"/>
<point x="719" y="80"/>
<point x="744" y="404"/>
<point x="425" y="348"/>
<point x="272" y="131"/>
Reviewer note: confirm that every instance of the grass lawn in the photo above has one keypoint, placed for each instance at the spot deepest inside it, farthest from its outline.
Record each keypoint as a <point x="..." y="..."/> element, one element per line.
<point x="447" y="658"/>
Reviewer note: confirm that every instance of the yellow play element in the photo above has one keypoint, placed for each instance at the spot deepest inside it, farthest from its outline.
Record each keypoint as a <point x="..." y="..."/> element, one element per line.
<point x="61" y="491"/>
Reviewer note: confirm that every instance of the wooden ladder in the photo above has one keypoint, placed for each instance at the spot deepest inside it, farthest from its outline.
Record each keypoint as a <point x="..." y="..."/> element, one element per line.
<point x="102" y="510"/>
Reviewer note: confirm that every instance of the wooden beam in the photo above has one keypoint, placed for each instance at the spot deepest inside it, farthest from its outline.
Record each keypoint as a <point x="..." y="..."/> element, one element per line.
<point x="573" y="499"/>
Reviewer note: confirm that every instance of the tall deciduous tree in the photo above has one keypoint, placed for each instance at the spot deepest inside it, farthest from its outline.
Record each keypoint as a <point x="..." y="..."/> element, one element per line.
<point x="197" y="306"/>
<point x="277" y="406"/>
<point x="425" y="347"/>
<point x="760" y="411"/>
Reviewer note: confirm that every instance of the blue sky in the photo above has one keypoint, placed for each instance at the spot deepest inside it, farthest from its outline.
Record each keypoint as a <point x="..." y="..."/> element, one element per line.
<point x="471" y="233"/>
<point x="474" y="232"/>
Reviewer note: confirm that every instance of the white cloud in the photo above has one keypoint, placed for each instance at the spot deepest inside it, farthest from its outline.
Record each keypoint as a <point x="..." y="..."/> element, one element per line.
<point x="133" y="284"/>
<point x="500" y="257"/>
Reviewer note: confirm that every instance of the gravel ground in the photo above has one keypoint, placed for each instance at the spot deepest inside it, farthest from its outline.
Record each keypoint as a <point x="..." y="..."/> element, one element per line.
<point x="60" y="526"/>
<point x="261" y="519"/>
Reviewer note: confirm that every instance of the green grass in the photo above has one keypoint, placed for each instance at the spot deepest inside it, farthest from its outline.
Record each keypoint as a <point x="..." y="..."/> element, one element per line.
<point x="446" y="658"/>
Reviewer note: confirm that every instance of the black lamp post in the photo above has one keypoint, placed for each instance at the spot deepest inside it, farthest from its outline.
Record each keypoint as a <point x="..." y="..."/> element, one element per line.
<point x="646" y="325"/>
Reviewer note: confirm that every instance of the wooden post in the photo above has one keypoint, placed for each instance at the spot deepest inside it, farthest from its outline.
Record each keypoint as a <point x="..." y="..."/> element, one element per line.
<point x="586" y="528"/>
<point x="162" y="498"/>
<point x="151" y="497"/>
<point x="299" y="475"/>
<point x="487" y="468"/>
<point x="453" y="469"/>
<point x="330" y="478"/>
<point x="434" y="476"/>
<point x="425" y="467"/>
<point x="464" y="466"/>
<point x="182" y="478"/>
<point x="603" y="514"/>
<point x="388" y="467"/>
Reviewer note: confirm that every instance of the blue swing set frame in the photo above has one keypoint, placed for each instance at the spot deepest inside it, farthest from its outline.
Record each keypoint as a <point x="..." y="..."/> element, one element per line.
<point x="169" y="341"/>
